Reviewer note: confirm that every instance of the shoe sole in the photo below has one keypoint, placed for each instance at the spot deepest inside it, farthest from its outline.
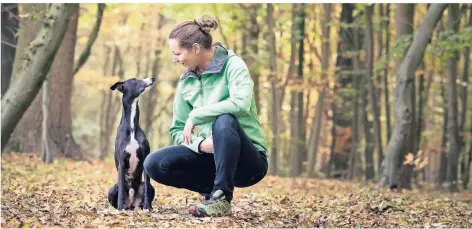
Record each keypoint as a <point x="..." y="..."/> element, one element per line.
<point x="192" y="210"/>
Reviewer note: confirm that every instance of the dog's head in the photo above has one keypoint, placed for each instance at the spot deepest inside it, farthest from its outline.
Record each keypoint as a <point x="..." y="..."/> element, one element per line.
<point x="133" y="198"/>
<point x="133" y="87"/>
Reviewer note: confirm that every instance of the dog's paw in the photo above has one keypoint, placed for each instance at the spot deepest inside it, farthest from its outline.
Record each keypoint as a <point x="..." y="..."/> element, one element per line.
<point x="143" y="211"/>
<point x="147" y="208"/>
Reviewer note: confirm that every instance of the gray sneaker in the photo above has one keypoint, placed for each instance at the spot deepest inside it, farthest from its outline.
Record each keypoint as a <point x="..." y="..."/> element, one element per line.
<point x="216" y="206"/>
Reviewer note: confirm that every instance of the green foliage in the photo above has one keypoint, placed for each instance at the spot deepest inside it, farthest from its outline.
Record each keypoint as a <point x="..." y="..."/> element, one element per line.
<point x="347" y="92"/>
<point x="449" y="42"/>
<point x="401" y="44"/>
<point x="359" y="9"/>
<point x="468" y="127"/>
<point x="380" y="66"/>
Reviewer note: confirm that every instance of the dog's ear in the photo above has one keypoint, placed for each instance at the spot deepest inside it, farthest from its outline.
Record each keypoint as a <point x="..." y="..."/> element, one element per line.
<point x="117" y="85"/>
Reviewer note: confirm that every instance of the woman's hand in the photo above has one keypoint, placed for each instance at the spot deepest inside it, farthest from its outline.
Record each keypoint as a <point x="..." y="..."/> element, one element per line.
<point x="207" y="145"/>
<point x="187" y="134"/>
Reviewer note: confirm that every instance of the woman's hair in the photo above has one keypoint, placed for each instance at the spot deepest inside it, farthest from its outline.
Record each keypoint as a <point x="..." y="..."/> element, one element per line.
<point x="196" y="31"/>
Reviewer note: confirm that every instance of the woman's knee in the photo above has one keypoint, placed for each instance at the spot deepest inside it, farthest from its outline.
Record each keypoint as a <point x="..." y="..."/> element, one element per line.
<point x="247" y="181"/>
<point x="153" y="165"/>
<point x="224" y="121"/>
<point x="161" y="163"/>
<point x="250" y="177"/>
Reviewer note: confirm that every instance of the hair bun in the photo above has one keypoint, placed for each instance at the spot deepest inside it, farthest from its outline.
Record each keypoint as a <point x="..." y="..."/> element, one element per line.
<point x="206" y="23"/>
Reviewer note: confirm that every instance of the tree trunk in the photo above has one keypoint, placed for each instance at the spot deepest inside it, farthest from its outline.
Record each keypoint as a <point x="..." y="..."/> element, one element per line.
<point x="254" y="45"/>
<point x="91" y="39"/>
<point x="62" y="76"/>
<point x="328" y="167"/>
<point x="116" y="104"/>
<point x="368" y="150"/>
<point x="10" y="24"/>
<point x="421" y="104"/>
<point x="404" y="25"/>
<point x="151" y="98"/>
<point x="139" y="55"/>
<point x="378" y="79"/>
<point x="385" y="80"/>
<point x="420" y="117"/>
<point x="148" y="63"/>
<point x="301" y="143"/>
<point x="469" y="163"/>
<point x="317" y="120"/>
<point x="40" y="57"/>
<point x="355" y="119"/>
<point x="366" y="80"/>
<point x="108" y="111"/>
<point x="403" y="104"/>
<point x="244" y="41"/>
<point x="465" y="82"/>
<point x="443" y="155"/>
<point x="273" y="78"/>
<point x="453" y="24"/>
<point x="295" y="161"/>
<point x="404" y="21"/>
<point x="372" y="89"/>
<point x="29" y="29"/>
<point x="46" y="153"/>
<point x="426" y="170"/>
<point x="101" y="139"/>
<point x="343" y="110"/>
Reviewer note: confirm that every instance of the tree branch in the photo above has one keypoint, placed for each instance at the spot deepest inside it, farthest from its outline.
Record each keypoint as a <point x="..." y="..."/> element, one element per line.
<point x="92" y="37"/>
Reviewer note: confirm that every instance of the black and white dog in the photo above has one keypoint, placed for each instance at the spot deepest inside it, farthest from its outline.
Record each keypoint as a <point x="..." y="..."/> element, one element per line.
<point x="131" y="148"/>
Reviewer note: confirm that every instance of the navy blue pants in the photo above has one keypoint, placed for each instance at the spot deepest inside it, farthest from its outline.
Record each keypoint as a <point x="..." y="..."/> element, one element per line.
<point x="235" y="162"/>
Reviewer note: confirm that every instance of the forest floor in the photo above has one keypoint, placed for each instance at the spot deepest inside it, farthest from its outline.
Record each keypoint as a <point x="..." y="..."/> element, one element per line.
<point x="74" y="194"/>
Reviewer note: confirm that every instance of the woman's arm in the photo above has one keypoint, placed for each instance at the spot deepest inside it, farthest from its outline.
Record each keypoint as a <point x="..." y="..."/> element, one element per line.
<point x="240" y="98"/>
<point x="180" y="113"/>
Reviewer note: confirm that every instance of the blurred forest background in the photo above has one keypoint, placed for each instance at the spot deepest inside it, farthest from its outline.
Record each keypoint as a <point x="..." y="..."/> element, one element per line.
<point x="369" y="92"/>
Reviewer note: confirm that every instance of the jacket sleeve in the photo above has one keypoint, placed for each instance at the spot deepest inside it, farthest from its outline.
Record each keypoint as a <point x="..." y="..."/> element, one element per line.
<point x="180" y="113"/>
<point x="240" y="95"/>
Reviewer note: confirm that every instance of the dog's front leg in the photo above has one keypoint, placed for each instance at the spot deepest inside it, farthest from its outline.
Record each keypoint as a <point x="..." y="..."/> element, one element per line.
<point x="147" y="193"/>
<point x="121" y="186"/>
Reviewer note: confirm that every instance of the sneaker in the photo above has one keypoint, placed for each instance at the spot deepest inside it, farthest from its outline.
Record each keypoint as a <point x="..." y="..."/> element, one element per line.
<point x="216" y="206"/>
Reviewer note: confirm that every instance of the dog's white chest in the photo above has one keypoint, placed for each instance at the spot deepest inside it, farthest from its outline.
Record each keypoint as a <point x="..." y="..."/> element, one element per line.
<point x="131" y="149"/>
<point x="132" y="145"/>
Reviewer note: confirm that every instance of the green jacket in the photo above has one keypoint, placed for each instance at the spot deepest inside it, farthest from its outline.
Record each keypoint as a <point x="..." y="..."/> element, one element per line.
<point x="224" y="87"/>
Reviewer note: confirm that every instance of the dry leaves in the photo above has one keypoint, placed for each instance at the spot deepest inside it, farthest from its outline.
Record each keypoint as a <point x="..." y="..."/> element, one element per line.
<point x="73" y="194"/>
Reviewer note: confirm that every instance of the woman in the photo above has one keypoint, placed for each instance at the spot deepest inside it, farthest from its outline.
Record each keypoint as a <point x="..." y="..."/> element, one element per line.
<point x="215" y="92"/>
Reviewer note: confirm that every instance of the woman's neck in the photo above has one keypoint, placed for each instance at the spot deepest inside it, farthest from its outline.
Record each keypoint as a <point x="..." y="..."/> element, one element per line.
<point x="207" y="57"/>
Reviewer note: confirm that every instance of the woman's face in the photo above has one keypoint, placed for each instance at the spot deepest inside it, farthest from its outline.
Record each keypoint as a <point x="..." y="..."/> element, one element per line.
<point x="187" y="57"/>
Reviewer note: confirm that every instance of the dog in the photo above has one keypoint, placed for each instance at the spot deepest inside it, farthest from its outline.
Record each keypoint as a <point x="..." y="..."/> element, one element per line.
<point x="131" y="145"/>
<point x="132" y="199"/>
